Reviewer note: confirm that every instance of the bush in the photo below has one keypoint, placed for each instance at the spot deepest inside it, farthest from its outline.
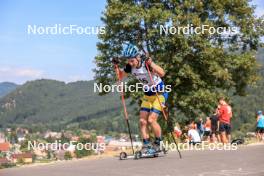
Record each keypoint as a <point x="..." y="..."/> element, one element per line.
<point x="7" y="165"/>
<point x="67" y="156"/>
<point x="238" y="135"/>
<point x="20" y="161"/>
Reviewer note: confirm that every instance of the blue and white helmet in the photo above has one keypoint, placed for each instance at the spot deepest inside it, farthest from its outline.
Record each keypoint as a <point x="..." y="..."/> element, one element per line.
<point x="130" y="51"/>
<point x="259" y="112"/>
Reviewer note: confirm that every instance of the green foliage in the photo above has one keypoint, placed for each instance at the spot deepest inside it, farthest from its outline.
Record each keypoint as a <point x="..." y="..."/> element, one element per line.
<point x="24" y="146"/>
<point x="13" y="137"/>
<point x="67" y="156"/>
<point x="20" y="161"/>
<point x="106" y="125"/>
<point x="2" y="154"/>
<point x="7" y="165"/>
<point x="84" y="151"/>
<point x="50" y="154"/>
<point x="245" y="108"/>
<point x="34" y="157"/>
<point x="64" y="139"/>
<point x="58" y="106"/>
<point x="200" y="68"/>
<point x="50" y="139"/>
<point x="49" y="104"/>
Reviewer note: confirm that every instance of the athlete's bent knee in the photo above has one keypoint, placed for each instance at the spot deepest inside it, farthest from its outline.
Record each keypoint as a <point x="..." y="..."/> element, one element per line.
<point x="143" y="122"/>
<point x="152" y="119"/>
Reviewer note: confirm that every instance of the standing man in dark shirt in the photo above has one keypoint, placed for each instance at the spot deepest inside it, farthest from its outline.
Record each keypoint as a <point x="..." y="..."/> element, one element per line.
<point x="215" y="129"/>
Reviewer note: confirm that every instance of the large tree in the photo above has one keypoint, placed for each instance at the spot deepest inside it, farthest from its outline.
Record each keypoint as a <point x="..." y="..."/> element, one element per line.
<point x="199" y="67"/>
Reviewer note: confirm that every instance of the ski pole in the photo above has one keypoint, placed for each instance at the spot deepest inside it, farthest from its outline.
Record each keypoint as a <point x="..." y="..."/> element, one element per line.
<point x="124" y="107"/>
<point x="162" y="109"/>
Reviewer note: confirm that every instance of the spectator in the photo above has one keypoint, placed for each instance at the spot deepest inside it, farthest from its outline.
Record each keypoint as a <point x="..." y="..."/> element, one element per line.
<point x="177" y="131"/>
<point x="260" y="126"/>
<point x="193" y="124"/>
<point x="214" y="126"/>
<point x="225" y="114"/>
<point x="207" y="129"/>
<point x="200" y="127"/>
<point x="193" y="135"/>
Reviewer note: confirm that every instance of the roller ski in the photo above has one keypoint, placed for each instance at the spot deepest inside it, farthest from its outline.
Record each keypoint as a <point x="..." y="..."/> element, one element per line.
<point x="147" y="151"/>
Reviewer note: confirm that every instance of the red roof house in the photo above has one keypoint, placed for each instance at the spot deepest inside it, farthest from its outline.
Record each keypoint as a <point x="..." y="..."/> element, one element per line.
<point x="4" y="147"/>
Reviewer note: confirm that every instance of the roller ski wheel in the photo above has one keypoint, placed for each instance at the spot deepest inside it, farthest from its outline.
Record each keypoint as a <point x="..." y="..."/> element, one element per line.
<point x="123" y="156"/>
<point x="164" y="151"/>
<point x="156" y="155"/>
<point x="138" y="155"/>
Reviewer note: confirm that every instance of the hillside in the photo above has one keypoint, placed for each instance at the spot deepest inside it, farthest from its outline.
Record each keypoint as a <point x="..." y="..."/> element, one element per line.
<point x="54" y="104"/>
<point x="6" y="87"/>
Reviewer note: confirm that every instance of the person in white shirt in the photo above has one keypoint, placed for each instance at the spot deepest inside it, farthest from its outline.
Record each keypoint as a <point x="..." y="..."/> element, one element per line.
<point x="193" y="136"/>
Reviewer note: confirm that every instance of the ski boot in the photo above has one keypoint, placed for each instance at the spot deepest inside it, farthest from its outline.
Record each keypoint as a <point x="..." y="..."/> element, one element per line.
<point x="146" y="151"/>
<point x="158" y="147"/>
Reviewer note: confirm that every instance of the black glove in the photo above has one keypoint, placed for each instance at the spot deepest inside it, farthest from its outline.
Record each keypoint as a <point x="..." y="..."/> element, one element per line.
<point x="148" y="61"/>
<point x="146" y="58"/>
<point x="143" y="57"/>
<point x="115" y="60"/>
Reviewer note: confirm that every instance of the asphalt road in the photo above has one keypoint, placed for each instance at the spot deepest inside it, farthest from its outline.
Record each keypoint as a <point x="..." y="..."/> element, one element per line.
<point x="244" y="161"/>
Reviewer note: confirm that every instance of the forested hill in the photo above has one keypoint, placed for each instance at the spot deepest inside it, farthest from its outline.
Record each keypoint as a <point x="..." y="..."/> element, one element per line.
<point x="6" y="87"/>
<point x="245" y="107"/>
<point x="50" y="103"/>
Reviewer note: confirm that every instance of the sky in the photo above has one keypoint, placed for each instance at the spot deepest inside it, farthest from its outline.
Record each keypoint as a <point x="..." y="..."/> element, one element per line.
<point x="68" y="58"/>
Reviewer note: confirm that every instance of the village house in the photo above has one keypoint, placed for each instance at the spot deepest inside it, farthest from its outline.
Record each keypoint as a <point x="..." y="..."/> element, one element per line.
<point x="8" y="130"/>
<point x="52" y="134"/>
<point x="2" y="138"/>
<point x="22" y="157"/>
<point x="5" y="147"/>
<point x="40" y="154"/>
<point x="75" y="138"/>
<point x="4" y="161"/>
<point x="21" y="134"/>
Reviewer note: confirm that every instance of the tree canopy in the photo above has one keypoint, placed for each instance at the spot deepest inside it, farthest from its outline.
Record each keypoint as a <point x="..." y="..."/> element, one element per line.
<point x="199" y="67"/>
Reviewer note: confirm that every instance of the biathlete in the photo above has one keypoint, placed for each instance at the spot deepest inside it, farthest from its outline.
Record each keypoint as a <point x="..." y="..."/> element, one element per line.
<point x="150" y="107"/>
